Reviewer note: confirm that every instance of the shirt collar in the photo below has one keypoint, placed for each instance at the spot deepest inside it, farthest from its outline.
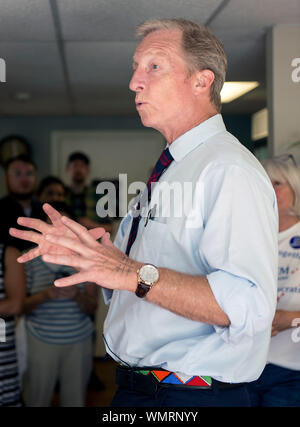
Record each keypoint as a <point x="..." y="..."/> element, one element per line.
<point x="195" y="136"/>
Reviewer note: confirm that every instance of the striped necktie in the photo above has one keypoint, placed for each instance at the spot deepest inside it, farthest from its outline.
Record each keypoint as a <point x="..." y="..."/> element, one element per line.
<point x="162" y="164"/>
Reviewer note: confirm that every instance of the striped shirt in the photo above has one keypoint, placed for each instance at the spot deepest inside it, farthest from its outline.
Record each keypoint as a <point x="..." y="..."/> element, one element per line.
<point x="57" y="321"/>
<point x="10" y="393"/>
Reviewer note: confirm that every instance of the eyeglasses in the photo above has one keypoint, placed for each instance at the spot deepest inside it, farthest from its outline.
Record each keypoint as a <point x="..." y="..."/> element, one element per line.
<point x="286" y="158"/>
<point x="19" y="174"/>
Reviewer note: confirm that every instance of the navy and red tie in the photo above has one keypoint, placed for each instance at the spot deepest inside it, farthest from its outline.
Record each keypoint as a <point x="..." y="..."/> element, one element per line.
<point x="162" y="164"/>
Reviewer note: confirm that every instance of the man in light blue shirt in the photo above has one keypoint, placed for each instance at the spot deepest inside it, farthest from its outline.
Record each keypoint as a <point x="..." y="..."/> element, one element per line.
<point x="192" y="305"/>
<point x="228" y="240"/>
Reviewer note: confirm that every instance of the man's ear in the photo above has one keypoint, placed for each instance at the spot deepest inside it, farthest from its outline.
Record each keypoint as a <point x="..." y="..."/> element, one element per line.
<point x="203" y="81"/>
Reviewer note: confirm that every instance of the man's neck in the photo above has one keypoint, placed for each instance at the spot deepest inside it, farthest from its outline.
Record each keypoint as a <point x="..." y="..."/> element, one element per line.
<point x="174" y="133"/>
<point x="25" y="203"/>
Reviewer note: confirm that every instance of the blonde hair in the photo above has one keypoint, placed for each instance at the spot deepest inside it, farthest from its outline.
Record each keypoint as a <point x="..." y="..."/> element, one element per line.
<point x="201" y="47"/>
<point x="284" y="169"/>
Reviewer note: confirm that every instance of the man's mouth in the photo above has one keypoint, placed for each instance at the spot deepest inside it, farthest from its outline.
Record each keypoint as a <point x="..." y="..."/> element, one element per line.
<point x="139" y="104"/>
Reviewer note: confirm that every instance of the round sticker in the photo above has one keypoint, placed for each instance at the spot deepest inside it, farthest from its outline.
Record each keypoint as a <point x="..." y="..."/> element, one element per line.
<point x="295" y="242"/>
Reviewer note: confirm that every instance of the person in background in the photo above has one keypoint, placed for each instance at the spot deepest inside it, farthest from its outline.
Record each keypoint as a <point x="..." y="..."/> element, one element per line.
<point x="12" y="294"/>
<point x="21" y="180"/>
<point x="51" y="189"/>
<point x="80" y="196"/>
<point x="279" y="383"/>
<point x="59" y="333"/>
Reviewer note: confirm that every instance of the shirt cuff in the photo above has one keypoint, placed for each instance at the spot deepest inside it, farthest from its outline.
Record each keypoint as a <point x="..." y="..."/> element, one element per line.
<point x="245" y="305"/>
<point x="107" y="295"/>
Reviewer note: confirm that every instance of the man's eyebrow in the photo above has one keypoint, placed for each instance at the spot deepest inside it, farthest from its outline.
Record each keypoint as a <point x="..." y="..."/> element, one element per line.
<point x="151" y="53"/>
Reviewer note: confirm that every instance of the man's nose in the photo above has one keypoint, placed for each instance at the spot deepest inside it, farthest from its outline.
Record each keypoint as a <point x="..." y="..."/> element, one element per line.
<point x="137" y="82"/>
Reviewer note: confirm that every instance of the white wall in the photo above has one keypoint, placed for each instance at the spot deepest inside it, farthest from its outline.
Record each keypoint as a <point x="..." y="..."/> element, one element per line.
<point x="38" y="131"/>
<point x="283" y="45"/>
<point x="111" y="152"/>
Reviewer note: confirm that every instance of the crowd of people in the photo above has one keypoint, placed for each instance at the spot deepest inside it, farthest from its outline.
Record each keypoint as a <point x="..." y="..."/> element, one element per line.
<point x="204" y="307"/>
<point x="59" y="323"/>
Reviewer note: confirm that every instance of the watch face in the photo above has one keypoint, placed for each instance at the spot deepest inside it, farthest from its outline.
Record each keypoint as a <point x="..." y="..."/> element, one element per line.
<point x="149" y="274"/>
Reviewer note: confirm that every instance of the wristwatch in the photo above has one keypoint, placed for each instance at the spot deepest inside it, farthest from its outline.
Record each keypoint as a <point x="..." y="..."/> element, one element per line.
<point x="148" y="275"/>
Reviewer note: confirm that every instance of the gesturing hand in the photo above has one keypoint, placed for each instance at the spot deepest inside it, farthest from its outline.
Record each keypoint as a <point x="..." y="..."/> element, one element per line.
<point x="66" y="242"/>
<point x="101" y="263"/>
<point x="42" y="229"/>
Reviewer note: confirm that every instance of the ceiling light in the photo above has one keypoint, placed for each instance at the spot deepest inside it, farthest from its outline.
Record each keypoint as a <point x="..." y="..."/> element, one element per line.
<point x="233" y="90"/>
<point x="259" y="125"/>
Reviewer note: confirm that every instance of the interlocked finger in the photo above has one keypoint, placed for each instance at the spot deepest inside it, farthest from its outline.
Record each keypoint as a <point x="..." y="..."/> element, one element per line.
<point x="33" y="253"/>
<point x="71" y="244"/>
<point x="31" y="236"/>
<point x="80" y="231"/>
<point x="98" y="233"/>
<point x="35" y="224"/>
<point x="72" y="280"/>
<point x="69" y="260"/>
<point x="53" y="214"/>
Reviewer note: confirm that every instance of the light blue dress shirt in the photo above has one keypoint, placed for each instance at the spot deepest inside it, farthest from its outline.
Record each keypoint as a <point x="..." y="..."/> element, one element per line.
<point x="225" y="228"/>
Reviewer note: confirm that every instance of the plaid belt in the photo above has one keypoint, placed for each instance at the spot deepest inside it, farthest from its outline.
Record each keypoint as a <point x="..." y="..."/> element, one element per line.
<point x="148" y="380"/>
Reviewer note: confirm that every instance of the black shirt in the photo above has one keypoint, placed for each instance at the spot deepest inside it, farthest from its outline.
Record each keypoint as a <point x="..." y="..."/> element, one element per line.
<point x="10" y="210"/>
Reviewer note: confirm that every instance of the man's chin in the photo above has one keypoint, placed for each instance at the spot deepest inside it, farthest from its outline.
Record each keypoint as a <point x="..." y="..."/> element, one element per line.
<point x="146" y="121"/>
<point x="78" y="180"/>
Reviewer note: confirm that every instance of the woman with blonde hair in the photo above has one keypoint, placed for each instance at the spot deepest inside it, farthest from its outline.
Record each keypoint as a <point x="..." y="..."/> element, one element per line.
<point x="279" y="384"/>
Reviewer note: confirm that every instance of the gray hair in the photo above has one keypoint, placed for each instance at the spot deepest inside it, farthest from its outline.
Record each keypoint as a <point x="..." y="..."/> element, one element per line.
<point x="201" y="47"/>
<point x="284" y="169"/>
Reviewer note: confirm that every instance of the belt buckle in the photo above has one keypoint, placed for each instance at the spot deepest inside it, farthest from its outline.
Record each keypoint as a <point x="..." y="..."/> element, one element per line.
<point x="129" y="379"/>
<point x="145" y="384"/>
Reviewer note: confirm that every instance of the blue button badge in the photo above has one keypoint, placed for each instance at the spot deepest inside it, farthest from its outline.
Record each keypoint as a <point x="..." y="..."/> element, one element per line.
<point x="295" y="242"/>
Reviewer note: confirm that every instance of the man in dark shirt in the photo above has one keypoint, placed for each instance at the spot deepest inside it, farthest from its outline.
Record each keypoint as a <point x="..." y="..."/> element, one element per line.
<point x="81" y="197"/>
<point x="20" y="178"/>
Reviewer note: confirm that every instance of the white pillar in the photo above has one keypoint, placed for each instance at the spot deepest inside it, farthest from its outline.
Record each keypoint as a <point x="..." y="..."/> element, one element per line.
<point x="283" y="89"/>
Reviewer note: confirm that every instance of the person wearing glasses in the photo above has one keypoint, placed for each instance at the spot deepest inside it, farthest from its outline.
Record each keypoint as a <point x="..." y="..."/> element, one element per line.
<point x="20" y="179"/>
<point x="279" y="384"/>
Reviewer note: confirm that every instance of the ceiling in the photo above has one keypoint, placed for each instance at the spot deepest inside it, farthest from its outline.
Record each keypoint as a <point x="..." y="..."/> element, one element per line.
<point x="74" y="56"/>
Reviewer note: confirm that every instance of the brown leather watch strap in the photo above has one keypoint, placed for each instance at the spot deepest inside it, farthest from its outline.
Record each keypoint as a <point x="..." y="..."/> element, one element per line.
<point x="142" y="289"/>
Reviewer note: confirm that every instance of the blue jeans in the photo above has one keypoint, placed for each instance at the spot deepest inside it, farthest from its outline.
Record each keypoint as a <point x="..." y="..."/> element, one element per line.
<point x="172" y="397"/>
<point x="276" y="387"/>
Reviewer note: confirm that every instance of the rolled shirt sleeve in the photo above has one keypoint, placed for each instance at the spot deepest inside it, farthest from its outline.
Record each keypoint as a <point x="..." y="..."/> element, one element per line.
<point x="239" y="244"/>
